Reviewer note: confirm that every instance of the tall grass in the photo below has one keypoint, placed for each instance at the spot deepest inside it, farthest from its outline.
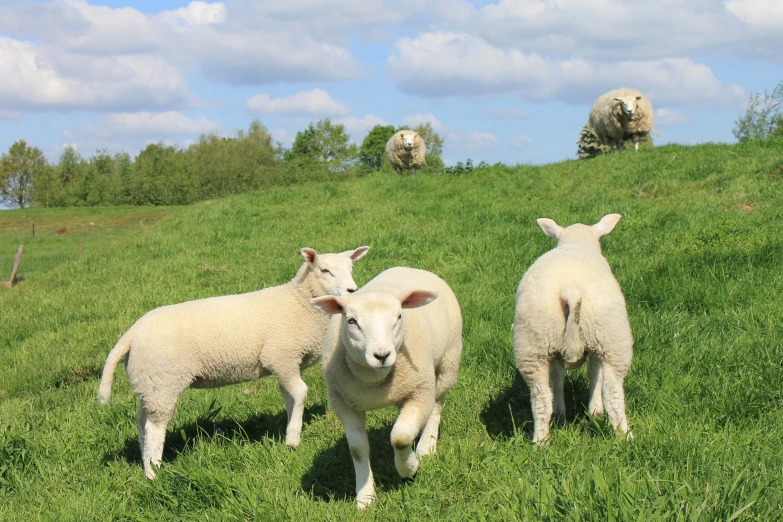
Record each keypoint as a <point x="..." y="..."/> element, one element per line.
<point x="698" y="253"/>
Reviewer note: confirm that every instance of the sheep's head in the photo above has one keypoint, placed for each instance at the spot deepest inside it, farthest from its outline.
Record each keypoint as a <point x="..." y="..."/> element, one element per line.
<point x="334" y="272"/>
<point x="579" y="233"/>
<point x="628" y="105"/>
<point x="372" y="323"/>
<point x="408" y="140"/>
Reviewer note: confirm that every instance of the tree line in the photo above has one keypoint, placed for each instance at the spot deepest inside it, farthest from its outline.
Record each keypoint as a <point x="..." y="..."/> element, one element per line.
<point x="212" y="167"/>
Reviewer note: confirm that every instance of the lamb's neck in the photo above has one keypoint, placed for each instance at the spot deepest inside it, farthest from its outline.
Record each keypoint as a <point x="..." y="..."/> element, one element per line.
<point x="582" y="246"/>
<point x="367" y="376"/>
<point x="303" y="285"/>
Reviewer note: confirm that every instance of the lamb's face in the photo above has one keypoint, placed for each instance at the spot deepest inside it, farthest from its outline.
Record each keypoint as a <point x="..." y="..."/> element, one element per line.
<point x="407" y="141"/>
<point x="334" y="272"/>
<point x="372" y="330"/>
<point x="628" y="104"/>
<point x="372" y="323"/>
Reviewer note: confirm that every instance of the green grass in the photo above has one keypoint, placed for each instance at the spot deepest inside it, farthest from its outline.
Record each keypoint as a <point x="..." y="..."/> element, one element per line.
<point x="698" y="253"/>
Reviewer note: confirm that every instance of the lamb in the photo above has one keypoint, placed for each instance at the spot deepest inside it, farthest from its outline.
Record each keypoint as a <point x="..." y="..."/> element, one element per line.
<point x="619" y="115"/>
<point x="381" y="349"/>
<point x="228" y="339"/>
<point x="568" y="305"/>
<point x="406" y="150"/>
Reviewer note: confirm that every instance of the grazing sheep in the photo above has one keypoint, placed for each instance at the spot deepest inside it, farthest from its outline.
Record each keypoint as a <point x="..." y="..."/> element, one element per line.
<point x="224" y="340"/>
<point x="380" y="352"/>
<point x="569" y="305"/>
<point x="406" y="150"/>
<point x="619" y="115"/>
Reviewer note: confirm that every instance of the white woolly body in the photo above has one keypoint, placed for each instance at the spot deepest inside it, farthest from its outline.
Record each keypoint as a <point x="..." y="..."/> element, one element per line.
<point x="612" y="125"/>
<point x="425" y="345"/>
<point x="223" y="340"/>
<point x="570" y="306"/>
<point x="405" y="158"/>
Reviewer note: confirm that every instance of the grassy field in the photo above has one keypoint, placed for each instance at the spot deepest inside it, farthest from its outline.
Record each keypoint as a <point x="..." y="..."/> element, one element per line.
<point x="59" y="231"/>
<point x="698" y="253"/>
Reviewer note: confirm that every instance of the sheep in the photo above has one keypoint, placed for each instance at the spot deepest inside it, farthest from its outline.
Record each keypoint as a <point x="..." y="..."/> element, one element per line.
<point x="406" y="150"/>
<point x="569" y="304"/>
<point x="381" y="349"/>
<point x="619" y="115"/>
<point x="216" y="341"/>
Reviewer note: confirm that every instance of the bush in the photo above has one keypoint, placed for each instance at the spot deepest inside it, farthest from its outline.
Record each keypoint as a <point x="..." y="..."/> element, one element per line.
<point x="763" y="117"/>
<point x="588" y="145"/>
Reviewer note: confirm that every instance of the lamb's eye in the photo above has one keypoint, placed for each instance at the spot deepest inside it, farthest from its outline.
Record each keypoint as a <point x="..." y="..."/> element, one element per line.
<point x="351" y="320"/>
<point x="398" y="318"/>
<point x="325" y="271"/>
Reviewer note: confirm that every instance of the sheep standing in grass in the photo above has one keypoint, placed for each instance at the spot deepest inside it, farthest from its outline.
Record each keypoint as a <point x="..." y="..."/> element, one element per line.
<point x="569" y="305"/>
<point x="384" y="350"/>
<point x="619" y="115"/>
<point x="406" y="150"/>
<point x="224" y="340"/>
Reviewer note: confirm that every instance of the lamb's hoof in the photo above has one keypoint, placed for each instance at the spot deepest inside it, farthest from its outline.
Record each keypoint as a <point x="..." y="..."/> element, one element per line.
<point x="559" y="418"/>
<point x="363" y="502"/>
<point x="292" y="444"/>
<point x="422" y="450"/>
<point x="408" y="468"/>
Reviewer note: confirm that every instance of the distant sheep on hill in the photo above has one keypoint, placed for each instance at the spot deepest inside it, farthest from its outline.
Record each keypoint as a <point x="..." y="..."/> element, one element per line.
<point x="619" y="115"/>
<point x="406" y="150"/>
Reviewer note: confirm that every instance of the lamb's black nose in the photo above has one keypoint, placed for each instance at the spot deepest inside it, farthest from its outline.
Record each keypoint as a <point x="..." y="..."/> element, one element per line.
<point x="382" y="357"/>
<point x="351" y="290"/>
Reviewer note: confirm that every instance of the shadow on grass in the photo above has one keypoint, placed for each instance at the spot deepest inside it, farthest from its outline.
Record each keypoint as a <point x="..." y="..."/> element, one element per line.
<point x="181" y="439"/>
<point x="509" y="414"/>
<point x="331" y="476"/>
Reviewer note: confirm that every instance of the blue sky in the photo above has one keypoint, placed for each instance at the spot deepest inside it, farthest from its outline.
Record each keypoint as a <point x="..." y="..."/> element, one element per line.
<point x="510" y="81"/>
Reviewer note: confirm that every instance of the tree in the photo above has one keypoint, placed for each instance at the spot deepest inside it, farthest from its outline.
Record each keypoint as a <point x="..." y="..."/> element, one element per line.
<point x="373" y="148"/>
<point x="763" y="117"/>
<point x="19" y="169"/>
<point x="323" y="144"/>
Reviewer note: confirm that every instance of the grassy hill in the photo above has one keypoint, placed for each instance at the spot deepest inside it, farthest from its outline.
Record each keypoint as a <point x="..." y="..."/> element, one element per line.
<point x="698" y="253"/>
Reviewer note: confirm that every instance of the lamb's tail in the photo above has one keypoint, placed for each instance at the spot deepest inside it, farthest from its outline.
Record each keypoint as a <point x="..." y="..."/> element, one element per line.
<point x="573" y="344"/>
<point x="115" y="355"/>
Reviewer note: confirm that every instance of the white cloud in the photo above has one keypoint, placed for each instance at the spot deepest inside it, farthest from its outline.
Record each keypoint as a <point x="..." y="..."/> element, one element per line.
<point x="413" y="120"/>
<point x="471" y="141"/>
<point x="316" y="102"/>
<point x="764" y="13"/>
<point x="42" y="77"/>
<point x="458" y="64"/>
<point x="520" y="142"/>
<point x="359" y="127"/>
<point x="283" y="136"/>
<point x="196" y="14"/>
<point x="507" y="113"/>
<point x="132" y="131"/>
<point x="664" y="116"/>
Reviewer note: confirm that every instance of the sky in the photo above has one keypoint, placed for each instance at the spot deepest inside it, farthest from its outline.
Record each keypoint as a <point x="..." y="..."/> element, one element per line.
<point x="509" y="81"/>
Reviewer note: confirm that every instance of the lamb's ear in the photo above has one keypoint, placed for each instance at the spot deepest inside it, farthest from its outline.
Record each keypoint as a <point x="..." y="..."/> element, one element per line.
<point x="328" y="304"/>
<point x="309" y="254"/>
<point x="417" y="298"/>
<point x="357" y="254"/>
<point x="618" y="99"/>
<point x="606" y="224"/>
<point x="549" y="227"/>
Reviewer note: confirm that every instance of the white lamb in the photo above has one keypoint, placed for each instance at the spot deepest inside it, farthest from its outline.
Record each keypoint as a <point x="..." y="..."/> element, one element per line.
<point x="383" y="350"/>
<point x="406" y="150"/>
<point x="223" y="340"/>
<point x="619" y="115"/>
<point x="569" y="305"/>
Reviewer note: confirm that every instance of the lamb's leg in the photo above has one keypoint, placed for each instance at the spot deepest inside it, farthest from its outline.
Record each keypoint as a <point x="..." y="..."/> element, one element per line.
<point x="154" y="437"/>
<point x="141" y="422"/>
<point x="294" y="391"/>
<point x="540" y="401"/>
<point x="556" y="381"/>
<point x="595" y="379"/>
<point x="413" y="415"/>
<point x="614" y="400"/>
<point x="636" y="142"/>
<point x="428" y="441"/>
<point x="355" y="431"/>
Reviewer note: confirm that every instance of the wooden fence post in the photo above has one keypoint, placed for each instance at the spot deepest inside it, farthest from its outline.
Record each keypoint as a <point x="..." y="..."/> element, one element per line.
<point x="16" y="265"/>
